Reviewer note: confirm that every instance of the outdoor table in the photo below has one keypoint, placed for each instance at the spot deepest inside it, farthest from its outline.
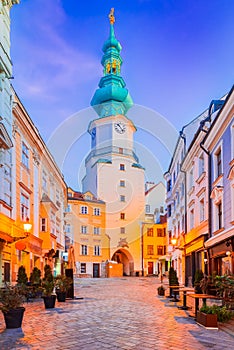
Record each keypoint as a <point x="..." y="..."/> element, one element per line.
<point x="175" y="290"/>
<point x="185" y="290"/>
<point x="203" y="297"/>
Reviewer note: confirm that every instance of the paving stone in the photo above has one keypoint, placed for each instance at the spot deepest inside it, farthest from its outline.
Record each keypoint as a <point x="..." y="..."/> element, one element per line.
<point x="117" y="314"/>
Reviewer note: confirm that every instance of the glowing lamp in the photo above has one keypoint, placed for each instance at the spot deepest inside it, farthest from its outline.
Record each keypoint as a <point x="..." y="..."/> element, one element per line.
<point x="173" y="241"/>
<point x="27" y="226"/>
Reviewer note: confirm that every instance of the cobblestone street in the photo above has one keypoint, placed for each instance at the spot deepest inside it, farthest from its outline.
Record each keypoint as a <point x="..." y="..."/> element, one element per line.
<point x="120" y="313"/>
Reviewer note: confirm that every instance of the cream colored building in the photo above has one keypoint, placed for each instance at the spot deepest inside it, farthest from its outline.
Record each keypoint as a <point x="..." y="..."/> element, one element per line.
<point x="85" y="220"/>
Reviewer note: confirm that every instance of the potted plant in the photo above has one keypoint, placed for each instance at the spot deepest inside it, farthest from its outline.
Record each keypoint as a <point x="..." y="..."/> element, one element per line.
<point x="48" y="285"/>
<point x="35" y="280"/>
<point x="161" y="290"/>
<point x="199" y="275"/>
<point x="208" y="316"/>
<point x="225" y="289"/>
<point x="62" y="284"/>
<point x="22" y="277"/>
<point x="11" y="301"/>
<point x="173" y="279"/>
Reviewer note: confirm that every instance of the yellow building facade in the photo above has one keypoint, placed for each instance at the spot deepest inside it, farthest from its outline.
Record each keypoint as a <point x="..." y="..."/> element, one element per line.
<point x="154" y="248"/>
<point x="85" y="226"/>
<point x="38" y="197"/>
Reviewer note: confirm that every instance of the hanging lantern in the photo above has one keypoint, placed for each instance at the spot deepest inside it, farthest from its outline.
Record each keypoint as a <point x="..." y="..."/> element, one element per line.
<point x="20" y="245"/>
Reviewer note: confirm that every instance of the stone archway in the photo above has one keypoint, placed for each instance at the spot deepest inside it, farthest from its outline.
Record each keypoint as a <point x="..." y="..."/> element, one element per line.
<point x="122" y="256"/>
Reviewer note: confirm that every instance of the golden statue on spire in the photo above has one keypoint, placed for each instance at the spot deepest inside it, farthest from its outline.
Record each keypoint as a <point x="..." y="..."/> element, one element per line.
<point x="111" y="16"/>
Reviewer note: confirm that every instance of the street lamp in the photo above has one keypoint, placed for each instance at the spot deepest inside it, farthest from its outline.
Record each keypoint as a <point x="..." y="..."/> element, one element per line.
<point x="27" y="227"/>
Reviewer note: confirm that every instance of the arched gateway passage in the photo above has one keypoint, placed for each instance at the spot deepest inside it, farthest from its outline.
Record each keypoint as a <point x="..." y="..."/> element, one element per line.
<point x="122" y="256"/>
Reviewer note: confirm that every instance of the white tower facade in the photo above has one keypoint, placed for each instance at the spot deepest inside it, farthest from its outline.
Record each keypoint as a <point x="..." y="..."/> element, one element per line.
<point x="113" y="172"/>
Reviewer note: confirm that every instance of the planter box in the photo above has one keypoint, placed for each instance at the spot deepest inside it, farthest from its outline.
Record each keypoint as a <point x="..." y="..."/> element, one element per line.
<point x="13" y="318"/>
<point x="161" y="292"/>
<point x="207" y="320"/>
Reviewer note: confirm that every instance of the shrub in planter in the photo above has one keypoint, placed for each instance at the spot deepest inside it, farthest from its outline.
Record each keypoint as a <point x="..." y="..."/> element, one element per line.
<point x="225" y="289"/>
<point x="199" y="275"/>
<point x="62" y="284"/>
<point x="11" y="301"/>
<point x="161" y="290"/>
<point x="35" y="277"/>
<point x="48" y="285"/>
<point x="223" y="314"/>
<point x="22" y="277"/>
<point x="173" y="279"/>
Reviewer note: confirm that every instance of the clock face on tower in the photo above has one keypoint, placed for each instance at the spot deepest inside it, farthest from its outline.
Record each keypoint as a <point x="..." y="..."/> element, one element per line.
<point x="120" y="127"/>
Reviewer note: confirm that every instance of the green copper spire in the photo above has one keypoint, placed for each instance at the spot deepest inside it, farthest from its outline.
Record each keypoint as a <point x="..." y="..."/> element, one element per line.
<point x="112" y="98"/>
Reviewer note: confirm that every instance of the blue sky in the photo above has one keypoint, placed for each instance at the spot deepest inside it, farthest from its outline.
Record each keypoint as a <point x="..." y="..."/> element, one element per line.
<point x="177" y="56"/>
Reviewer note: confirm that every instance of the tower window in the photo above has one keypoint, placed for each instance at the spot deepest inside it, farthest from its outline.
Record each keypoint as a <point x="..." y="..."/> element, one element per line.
<point x="122" y="183"/>
<point x="120" y="150"/>
<point x="122" y="198"/>
<point x="122" y="216"/>
<point x="122" y="167"/>
<point x="122" y="229"/>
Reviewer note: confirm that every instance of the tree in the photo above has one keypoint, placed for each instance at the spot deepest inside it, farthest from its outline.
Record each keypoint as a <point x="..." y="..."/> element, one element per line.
<point x="22" y="277"/>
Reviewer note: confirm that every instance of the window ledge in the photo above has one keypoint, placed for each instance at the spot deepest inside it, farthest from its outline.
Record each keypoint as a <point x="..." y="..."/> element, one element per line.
<point x="216" y="181"/>
<point x="201" y="177"/>
<point x="218" y="231"/>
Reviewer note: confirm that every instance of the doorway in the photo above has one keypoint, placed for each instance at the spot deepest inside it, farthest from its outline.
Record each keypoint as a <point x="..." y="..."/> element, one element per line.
<point x="96" y="270"/>
<point x="150" y="267"/>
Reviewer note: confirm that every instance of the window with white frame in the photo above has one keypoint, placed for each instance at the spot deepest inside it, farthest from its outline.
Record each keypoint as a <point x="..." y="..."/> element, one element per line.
<point x="147" y="208"/>
<point x="122" y="198"/>
<point x="191" y="217"/>
<point x="97" y="250"/>
<point x="182" y="189"/>
<point x="202" y="209"/>
<point x="122" y="216"/>
<point x="122" y="183"/>
<point x="84" y="209"/>
<point x="219" y="215"/>
<point x="191" y="178"/>
<point x="96" y="211"/>
<point x="232" y="141"/>
<point x="96" y="230"/>
<point x="43" y="224"/>
<point x="52" y="222"/>
<point x="44" y="181"/>
<point x="24" y="206"/>
<point x="182" y="222"/>
<point x="84" y="229"/>
<point x="232" y="200"/>
<point x="218" y="162"/>
<point x="7" y="184"/>
<point x="68" y="208"/>
<point x="25" y="155"/>
<point x="201" y="165"/>
<point x="84" y="249"/>
<point x="83" y="267"/>
<point x="122" y="230"/>
<point x="122" y="167"/>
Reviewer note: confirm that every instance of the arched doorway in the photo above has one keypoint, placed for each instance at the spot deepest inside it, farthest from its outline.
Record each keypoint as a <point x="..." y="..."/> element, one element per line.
<point x="122" y="256"/>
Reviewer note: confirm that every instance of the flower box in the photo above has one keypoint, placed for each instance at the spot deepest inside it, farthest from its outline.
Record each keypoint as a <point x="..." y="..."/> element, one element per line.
<point x="207" y="320"/>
